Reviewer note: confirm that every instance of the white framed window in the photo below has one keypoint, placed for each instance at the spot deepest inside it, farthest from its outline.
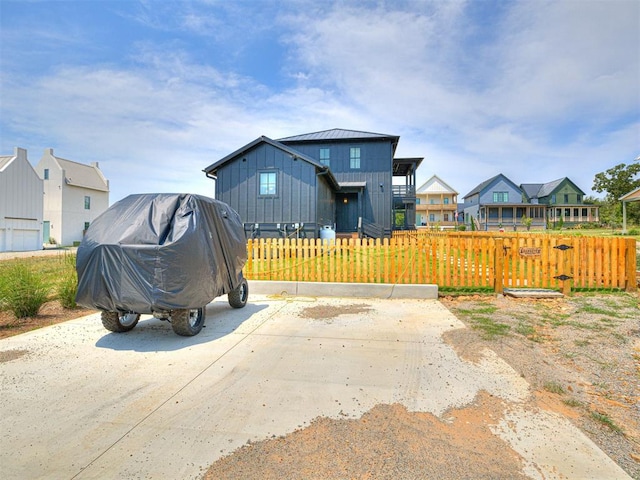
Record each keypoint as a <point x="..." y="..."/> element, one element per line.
<point x="268" y="183"/>
<point x="87" y="202"/>
<point x="325" y="156"/>
<point x="500" y="197"/>
<point x="354" y="158"/>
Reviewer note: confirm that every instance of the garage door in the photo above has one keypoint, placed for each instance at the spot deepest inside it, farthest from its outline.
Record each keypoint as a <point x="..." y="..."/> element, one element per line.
<point x="25" y="240"/>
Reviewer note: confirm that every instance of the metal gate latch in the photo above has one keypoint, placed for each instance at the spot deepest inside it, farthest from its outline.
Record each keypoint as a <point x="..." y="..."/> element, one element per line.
<point x="563" y="277"/>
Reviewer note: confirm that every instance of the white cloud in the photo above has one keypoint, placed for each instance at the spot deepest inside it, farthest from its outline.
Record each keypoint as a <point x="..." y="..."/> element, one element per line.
<point x="546" y="91"/>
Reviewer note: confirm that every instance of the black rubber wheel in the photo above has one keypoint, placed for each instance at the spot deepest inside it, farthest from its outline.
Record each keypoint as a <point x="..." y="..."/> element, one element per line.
<point x="119" y="321"/>
<point x="238" y="297"/>
<point x="187" y="322"/>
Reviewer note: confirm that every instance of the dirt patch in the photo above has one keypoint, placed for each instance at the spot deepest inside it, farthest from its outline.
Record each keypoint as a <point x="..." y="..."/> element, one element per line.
<point x="9" y="355"/>
<point x="328" y="312"/>
<point x="387" y="442"/>
<point x="50" y="314"/>
<point x="581" y="355"/>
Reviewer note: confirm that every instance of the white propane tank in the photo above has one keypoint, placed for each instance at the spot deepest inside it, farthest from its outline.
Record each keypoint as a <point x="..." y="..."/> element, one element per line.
<point x="327" y="233"/>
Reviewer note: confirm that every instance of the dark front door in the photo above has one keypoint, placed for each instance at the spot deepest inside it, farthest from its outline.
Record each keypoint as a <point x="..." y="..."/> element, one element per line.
<point x="347" y="212"/>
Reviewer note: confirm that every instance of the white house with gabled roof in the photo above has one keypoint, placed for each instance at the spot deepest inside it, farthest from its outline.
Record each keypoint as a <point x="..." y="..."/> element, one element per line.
<point x="437" y="204"/>
<point x="20" y="204"/>
<point x="74" y="195"/>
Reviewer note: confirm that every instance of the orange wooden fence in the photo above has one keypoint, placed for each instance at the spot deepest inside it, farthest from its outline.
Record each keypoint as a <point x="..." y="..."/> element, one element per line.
<point x="451" y="260"/>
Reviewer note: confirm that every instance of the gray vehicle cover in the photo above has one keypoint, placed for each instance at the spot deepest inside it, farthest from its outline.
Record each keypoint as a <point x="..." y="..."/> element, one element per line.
<point x="160" y="252"/>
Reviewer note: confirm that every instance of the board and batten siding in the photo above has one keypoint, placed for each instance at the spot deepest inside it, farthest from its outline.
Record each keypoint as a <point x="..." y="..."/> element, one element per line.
<point x="325" y="203"/>
<point x="295" y="200"/>
<point x="574" y="197"/>
<point x="376" y="159"/>
<point x="21" y="207"/>
<point x="515" y="194"/>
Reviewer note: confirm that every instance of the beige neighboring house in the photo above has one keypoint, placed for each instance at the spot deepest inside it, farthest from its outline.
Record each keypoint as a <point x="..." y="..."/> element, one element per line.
<point x="74" y="195"/>
<point x="437" y="204"/>
<point x="20" y="204"/>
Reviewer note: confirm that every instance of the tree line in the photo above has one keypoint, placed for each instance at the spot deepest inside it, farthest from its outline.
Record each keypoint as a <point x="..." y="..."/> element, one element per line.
<point x="616" y="182"/>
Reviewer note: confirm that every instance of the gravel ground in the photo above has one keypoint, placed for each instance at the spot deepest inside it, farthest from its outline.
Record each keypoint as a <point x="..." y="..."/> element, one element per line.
<point x="581" y="355"/>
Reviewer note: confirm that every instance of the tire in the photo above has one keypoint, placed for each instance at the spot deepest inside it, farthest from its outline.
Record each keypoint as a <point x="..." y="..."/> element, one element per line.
<point x="119" y="321"/>
<point x="238" y="297"/>
<point x="187" y="322"/>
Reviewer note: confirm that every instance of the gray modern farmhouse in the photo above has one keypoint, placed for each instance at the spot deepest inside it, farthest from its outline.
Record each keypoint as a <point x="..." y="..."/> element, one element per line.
<point x="299" y="186"/>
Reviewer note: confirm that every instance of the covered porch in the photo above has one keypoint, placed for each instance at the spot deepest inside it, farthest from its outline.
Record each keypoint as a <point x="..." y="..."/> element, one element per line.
<point x="572" y="214"/>
<point x="404" y="192"/>
<point x="511" y="217"/>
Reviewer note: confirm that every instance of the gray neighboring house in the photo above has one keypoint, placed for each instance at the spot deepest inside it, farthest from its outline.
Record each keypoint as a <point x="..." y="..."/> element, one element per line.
<point x="74" y="195"/>
<point x="20" y="204"/>
<point x="299" y="186"/>
<point x="498" y="203"/>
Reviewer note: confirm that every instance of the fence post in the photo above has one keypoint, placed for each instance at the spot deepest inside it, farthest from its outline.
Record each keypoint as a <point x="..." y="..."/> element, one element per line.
<point x="631" y="281"/>
<point x="498" y="285"/>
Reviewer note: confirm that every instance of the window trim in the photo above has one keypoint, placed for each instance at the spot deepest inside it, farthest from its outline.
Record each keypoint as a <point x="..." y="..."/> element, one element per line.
<point x="500" y="197"/>
<point x="87" y="202"/>
<point x="353" y="158"/>
<point x="325" y="160"/>
<point x="267" y="172"/>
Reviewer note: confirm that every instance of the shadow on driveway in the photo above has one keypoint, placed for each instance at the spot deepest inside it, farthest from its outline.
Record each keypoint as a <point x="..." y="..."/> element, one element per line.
<point x="153" y="335"/>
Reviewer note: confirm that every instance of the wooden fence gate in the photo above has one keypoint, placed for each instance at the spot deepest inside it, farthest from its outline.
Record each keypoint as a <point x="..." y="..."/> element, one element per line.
<point x="565" y="263"/>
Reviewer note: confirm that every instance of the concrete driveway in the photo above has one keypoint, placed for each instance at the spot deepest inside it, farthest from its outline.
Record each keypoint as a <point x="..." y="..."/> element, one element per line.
<point x="77" y="401"/>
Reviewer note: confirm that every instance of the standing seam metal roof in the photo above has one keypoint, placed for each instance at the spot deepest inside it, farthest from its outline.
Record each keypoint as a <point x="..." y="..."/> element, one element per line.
<point x="336" y="134"/>
<point x="81" y="175"/>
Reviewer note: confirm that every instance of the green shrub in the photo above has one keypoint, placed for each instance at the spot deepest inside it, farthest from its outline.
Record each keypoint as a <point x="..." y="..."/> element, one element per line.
<point x="68" y="284"/>
<point x="66" y="290"/>
<point x="634" y="231"/>
<point x="22" y="291"/>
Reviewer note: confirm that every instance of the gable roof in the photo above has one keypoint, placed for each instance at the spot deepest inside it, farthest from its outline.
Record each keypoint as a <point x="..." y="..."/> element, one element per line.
<point x="338" y="134"/>
<point x="541" y="190"/>
<point x="435" y="185"/>
<point x="212" y="169"/>
<point x="548" y="188"/>
<point x="81" y="175"/>
<point x="480" y="187"/>
<point x="5" y="160"/>
<point x="531" y="189"/>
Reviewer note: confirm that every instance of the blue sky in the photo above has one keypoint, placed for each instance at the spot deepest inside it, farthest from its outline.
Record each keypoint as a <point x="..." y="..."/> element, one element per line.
<point x="157" y="90"/>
